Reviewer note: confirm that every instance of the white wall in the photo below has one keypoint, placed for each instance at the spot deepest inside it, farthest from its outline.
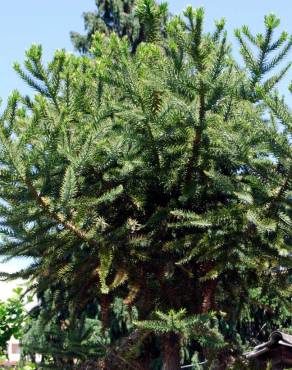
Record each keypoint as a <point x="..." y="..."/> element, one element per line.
<point x="7" y="287"/>
<point x="13" y="350"/>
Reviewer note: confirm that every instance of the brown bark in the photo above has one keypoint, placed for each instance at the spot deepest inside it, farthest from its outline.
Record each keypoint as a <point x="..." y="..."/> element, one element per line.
<point x="207" y="289"/>
<point x="171" y="351"/>
<point x="119" y="357"/>
<point x="105" y="303"/>
<point x="208" y="295"/>
<point x="225" y="360"/>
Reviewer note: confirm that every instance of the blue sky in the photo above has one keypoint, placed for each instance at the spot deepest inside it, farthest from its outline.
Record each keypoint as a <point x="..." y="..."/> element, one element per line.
<point x="49" y="22"/>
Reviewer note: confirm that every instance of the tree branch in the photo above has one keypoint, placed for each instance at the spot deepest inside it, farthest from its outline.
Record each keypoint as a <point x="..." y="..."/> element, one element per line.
<point x="193" y="161"/>
<point x="58" y="217"/>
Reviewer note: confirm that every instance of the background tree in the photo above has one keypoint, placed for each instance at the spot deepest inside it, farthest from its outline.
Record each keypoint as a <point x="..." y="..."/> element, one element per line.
<point x="126" y="18"/>
<point x="140" y="176"/>
<point x="12" y="319"/>
<point x="66" y="340"/>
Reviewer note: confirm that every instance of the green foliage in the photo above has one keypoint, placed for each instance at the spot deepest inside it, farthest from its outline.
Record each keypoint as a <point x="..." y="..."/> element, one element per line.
<point x="138" y="21"/>
<point x="150" y="15"/>
<point x="259" y="65"/>
<point x="200" y="327"/>
<point x="60" y="342"/>
<point x="12" y="319"/>
<point x="161" y="178"/>
<point x="60" y="336"/>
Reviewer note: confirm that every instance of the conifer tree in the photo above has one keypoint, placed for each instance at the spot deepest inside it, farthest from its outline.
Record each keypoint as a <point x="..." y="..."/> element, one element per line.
<point x="66" y="340"/>
<point x="127" y="18"/>
<point x="145" y="176"/>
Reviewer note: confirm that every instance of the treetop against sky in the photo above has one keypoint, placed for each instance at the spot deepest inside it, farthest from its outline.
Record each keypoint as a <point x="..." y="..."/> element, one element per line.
<point x="50" y="22"/>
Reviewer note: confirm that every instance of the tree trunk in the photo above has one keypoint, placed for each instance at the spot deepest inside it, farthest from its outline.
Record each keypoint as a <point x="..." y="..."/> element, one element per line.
<point x="118" y="357"/>
<point x="171" y="351"/>
<point x="105" y="304"/>
<point x="225" y="360"/>
<point x="208" y="295"/>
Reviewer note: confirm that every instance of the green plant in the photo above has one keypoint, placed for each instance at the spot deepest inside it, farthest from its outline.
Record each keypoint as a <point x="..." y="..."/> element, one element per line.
<point x="138" y="21"/>
<point x="160" y="177"/>
<point x="12" y="318"/>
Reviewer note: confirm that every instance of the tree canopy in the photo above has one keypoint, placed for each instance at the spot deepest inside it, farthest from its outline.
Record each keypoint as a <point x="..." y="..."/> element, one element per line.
<point x="137" y="21"/>
<point x="12" y="319"/>
<point x="160" y="177"/>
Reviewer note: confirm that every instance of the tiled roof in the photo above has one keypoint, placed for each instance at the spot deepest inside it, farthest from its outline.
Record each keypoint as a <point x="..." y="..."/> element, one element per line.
<point x="277" y="338"/>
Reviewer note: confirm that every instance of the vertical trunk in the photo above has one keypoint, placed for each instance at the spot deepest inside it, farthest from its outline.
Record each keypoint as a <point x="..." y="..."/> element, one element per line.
<point x="225" y="360"/>
<point x="207" y="288"/>
<point x="105" y="304"/>
<point x="171" y="351"/>
<point x="208" y="295"/>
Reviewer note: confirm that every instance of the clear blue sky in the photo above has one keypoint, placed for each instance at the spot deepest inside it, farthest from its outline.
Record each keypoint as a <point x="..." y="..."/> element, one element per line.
<point x="49" y="22"/>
